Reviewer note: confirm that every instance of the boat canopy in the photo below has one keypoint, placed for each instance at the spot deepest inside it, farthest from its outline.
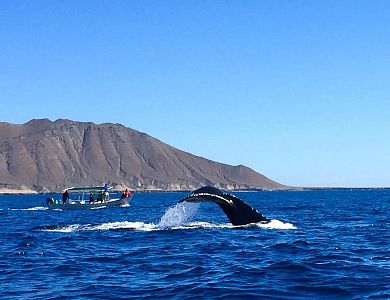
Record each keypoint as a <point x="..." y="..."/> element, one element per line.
<point x="84" y="189"/>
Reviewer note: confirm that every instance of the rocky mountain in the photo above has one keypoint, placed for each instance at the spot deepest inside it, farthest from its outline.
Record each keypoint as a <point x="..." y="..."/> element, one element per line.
<point x="42" y="155"/>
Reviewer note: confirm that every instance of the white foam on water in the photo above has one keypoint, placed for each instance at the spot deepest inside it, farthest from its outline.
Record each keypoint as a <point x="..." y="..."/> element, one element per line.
<point x="205" y="225"/>
<point x="104" y="226"/>
<point x="66" y="229"/>
<point x="125" y="225"/>
<point x="98" y="207"/>
<point x="141" y="226"/>
<point x="178" y="215"/>
<point x="276" y="224"/>
<point x="32" y="208"/>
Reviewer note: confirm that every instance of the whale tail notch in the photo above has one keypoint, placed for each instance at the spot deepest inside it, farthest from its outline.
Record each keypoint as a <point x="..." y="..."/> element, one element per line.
<point x="237" y="211"/>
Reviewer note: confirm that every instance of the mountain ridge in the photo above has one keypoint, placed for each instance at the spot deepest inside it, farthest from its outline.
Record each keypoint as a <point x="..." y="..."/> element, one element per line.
<point x="45" y="155"/>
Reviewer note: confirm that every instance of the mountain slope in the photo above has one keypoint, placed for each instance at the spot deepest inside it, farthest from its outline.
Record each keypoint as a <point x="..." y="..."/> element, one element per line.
<point x="49" y="156"/>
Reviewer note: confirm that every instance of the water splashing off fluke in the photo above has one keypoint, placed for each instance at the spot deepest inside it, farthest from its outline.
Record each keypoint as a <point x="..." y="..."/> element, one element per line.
<point x="178" y="215"/>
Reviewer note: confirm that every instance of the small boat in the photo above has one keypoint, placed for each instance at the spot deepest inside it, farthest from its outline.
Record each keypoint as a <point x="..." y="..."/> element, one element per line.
<point x="88" y="197"/>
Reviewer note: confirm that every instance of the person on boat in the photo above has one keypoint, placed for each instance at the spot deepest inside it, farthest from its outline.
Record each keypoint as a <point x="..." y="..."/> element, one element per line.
<point x="106" y="194"/>
<point x="100" y="197"/>
<point x="65" y="197"/>
<point x="126" y="194"/>
<point x="91" y="198"/>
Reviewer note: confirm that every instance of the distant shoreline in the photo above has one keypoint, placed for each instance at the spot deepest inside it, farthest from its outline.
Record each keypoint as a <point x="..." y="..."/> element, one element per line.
<point x="17" y="191"/>
<point x="7" y="191"/>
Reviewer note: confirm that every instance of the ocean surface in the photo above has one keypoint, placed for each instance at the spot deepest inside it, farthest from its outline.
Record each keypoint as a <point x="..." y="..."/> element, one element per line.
<point x="323" y="244"/>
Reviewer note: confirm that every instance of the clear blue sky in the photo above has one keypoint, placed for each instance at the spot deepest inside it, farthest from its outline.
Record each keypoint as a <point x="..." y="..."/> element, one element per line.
<point x="297" y="90"/>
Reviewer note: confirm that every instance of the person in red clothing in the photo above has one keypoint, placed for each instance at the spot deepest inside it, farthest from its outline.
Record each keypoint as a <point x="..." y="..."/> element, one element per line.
<point x="126" y="194"/>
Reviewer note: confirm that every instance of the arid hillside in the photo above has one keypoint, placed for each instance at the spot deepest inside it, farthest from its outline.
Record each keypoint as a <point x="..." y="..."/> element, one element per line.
<point x="42" y="155"/>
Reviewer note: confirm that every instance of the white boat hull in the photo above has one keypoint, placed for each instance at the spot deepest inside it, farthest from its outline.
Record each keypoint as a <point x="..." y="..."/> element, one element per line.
<point x="84" y="204"/>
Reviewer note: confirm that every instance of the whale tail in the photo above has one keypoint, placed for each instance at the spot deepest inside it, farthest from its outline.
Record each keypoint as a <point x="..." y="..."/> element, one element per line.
<point x="237" y="211"/>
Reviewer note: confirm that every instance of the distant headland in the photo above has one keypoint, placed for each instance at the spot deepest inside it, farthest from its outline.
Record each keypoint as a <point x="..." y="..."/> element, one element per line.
<point x="46" y="156"/>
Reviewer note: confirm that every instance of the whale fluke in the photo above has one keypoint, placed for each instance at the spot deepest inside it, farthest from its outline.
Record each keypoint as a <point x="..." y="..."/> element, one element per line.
<point x="237" y="211"/>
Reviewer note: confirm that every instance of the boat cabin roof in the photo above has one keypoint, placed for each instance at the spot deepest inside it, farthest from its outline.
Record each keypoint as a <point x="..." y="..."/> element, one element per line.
<point x="84" y="189"/>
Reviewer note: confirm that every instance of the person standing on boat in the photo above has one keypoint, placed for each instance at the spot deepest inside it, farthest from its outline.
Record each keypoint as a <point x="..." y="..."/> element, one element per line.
<point x="91" y="198"/>
<point x="126" y="194"/>
<point x="100" y="197"/>
<point x="106" y="194"/>
<point x="65" y="197"/>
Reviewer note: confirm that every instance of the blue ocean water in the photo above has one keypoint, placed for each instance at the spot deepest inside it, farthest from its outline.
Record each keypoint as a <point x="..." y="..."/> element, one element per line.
<point x="323" y="244"/>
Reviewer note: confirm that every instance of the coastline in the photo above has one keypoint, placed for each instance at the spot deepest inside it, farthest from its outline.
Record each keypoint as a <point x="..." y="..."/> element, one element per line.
<point x="27" y="191"/>
<point x="7" y="191"/>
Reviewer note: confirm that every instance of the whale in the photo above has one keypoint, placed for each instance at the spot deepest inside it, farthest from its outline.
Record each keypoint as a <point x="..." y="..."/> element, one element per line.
<point x="237" y="211"/>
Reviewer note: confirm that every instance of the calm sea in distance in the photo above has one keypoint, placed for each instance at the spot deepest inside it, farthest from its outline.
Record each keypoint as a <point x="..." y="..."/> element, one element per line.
<point x="321" y="244"/>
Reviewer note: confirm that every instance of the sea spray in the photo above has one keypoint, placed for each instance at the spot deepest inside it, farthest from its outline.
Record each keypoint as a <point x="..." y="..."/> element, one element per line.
<point x="178" y="215"/>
